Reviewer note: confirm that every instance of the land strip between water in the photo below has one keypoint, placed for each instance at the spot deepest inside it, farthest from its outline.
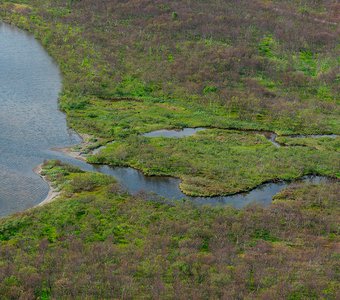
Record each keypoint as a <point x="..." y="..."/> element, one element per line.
<point x="53" y="192"/>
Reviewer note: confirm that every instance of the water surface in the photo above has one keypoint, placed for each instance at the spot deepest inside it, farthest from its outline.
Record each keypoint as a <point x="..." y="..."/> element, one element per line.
<point x="173" y="133"/>
<point x="30" y="122"/>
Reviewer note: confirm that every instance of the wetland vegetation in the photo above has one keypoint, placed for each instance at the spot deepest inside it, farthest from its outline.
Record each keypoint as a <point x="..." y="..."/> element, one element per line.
<point x="234" y="67"/>
<point x="214" y="161"/>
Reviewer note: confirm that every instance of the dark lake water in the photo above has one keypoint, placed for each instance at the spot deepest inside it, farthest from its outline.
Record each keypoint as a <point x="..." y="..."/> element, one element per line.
<point x="31" y="124"/>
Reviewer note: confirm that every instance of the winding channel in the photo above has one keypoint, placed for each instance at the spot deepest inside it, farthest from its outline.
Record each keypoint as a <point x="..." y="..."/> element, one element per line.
<point x="269" y="135"/>
<point x="31" y="125"/>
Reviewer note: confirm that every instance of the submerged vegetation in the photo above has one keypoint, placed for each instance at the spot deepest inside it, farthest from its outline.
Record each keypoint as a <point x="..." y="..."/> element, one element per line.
<point x="98" y="242"/>
<point x="131" y="67"/>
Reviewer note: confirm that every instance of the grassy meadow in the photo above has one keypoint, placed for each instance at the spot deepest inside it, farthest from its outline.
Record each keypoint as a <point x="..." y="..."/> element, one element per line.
<point x="215" y="162"/>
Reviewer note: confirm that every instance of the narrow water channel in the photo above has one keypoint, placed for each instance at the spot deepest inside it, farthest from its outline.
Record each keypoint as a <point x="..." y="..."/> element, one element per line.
<point x="31" y="125"/>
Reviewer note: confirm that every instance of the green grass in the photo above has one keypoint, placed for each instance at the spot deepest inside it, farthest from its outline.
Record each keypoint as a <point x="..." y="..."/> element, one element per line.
<point x="320" y="143"/>
<point x="217" y="161"/>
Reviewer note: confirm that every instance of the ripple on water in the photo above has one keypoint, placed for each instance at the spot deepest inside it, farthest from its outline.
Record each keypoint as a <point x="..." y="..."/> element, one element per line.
<point x="30" y="121"/>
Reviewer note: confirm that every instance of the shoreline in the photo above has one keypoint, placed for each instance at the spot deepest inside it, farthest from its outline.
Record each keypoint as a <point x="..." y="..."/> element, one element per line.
<point x="68" y="151"/>
<point x="52" y="193"/>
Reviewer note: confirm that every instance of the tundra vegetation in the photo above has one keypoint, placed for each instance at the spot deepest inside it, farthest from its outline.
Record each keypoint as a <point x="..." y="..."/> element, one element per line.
<point x="130" y="67"/>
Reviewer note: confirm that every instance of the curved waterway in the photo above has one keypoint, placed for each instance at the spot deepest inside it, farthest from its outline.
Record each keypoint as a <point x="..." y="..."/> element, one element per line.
<point x="31" y="125"/>
<point x="269" y="135"/>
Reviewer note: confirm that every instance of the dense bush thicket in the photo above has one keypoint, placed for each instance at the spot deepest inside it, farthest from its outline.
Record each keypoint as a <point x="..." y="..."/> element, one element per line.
<point x="97" y="242"/>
